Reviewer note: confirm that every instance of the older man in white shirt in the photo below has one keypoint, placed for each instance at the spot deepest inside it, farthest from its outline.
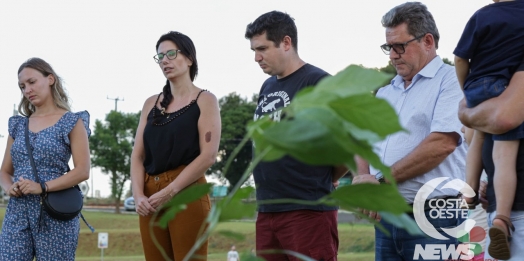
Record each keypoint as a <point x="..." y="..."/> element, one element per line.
<point x="425" y="94"/>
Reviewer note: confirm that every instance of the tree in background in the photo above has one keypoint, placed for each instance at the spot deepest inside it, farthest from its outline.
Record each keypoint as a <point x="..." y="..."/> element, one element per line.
<point x="448" y="61"/>
<point x="111" y="146"/>
<point x="235" y="112"/>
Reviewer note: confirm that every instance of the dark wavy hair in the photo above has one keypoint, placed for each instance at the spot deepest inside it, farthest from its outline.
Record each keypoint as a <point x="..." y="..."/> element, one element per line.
<point x="187" y="48"/>
<point x="417" y="17"/>
<point x="276" y="25"/>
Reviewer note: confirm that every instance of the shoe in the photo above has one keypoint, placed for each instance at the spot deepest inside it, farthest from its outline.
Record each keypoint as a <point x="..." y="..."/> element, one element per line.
<point x="500" y="237"/>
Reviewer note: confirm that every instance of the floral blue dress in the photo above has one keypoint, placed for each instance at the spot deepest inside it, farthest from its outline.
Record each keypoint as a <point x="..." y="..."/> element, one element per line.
<point x="21" y="238"/>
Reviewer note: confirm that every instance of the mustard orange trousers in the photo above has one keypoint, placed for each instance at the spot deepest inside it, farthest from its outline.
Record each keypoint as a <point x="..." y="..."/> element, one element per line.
<point x="183" y="231"/>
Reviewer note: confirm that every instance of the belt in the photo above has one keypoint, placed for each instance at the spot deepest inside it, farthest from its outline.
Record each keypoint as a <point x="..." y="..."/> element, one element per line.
<point x="428" y="207"/>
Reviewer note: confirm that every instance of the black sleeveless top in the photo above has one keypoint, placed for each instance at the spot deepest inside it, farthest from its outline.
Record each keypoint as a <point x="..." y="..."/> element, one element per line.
<point x="171" y="139"/>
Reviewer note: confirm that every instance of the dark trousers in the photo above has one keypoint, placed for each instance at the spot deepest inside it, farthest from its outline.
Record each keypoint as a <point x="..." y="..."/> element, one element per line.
<point x="308" y="232"/>
<point x="401" y="246"/>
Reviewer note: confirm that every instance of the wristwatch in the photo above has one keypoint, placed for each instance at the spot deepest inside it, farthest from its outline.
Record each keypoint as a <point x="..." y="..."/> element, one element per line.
<point x="380" y="178"/>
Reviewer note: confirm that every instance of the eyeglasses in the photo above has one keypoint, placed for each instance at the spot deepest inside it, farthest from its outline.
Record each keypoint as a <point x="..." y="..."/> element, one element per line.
<point x="171" y="54"/>
<point x="399" y="48"/>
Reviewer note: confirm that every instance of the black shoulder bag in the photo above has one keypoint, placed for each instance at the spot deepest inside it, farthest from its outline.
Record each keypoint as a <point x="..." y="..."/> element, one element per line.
<point x="62" y="205"/>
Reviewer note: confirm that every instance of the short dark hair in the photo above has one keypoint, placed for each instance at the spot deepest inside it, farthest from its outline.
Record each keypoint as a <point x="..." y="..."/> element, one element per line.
<point x="276" y="25"/>
<point x="187" y="48"/>
<point x="417" y="17"/>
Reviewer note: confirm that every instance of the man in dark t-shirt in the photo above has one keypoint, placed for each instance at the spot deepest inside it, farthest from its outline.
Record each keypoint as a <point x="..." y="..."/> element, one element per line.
<point x="499" y="115"/>
<point x="309" y="230"/>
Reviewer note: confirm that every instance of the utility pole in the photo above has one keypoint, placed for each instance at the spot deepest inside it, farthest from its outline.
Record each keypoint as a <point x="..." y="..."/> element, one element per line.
<point x="117" y="99"/>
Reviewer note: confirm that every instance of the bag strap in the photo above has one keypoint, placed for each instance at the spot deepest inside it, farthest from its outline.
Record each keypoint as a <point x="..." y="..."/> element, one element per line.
<point x="87" y="224"/>
<point x="30" y="151"/>
<point x="41" y="221"/>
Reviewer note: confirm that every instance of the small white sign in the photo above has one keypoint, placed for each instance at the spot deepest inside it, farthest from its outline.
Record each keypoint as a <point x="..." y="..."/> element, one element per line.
<point x="103" y="239"/>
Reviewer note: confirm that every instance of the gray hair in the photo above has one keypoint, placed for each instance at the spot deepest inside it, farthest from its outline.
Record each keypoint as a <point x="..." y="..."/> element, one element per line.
<point x="417" y="17"/>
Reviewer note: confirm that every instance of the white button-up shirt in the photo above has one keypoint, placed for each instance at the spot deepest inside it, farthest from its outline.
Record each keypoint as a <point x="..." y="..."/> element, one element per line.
<point x="429" y="104"/>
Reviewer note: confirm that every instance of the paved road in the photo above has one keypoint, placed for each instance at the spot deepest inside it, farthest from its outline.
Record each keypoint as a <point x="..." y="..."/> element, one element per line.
<point x="109" y="209"/>
<point x="343" y="216"/>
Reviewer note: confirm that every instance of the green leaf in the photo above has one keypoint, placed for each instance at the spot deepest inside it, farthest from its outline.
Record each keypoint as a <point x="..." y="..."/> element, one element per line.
<point x="383" y="197"/>
<point x="402" y="221"/>
<point x="180" y="200"/>
<point x="170" y="214"/>
<point x="256" y="129"/>
<point x="308" y="141"/>
<point x="368" y="113"/>
<point x="236" y="208"/>
<point x="354" y="80"/>
<point x="365" y="151"/>
<point x="231" y="234"/>
<point x="310" y="97"/>
<point x="360" y="134"/>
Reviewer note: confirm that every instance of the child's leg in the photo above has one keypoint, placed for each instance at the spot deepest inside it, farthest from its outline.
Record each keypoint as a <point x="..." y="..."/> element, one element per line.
<point x="474" y="162"/>
<point x="505" y="177"/>
<point x="505" y="184"/>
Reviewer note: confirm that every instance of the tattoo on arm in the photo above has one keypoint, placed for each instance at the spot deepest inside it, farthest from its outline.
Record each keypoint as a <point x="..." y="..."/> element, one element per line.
<point x="208" y="136"/>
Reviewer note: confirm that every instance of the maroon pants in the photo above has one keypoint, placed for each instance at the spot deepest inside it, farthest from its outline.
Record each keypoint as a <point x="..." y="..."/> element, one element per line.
<point x="308" y="232"/>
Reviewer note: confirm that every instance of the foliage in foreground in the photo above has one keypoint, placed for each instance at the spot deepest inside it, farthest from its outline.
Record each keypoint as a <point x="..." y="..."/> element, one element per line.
<point x="325" y="125"/>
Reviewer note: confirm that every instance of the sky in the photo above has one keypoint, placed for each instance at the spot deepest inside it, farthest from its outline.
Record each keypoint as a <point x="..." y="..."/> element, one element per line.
<point x="104" y="49"/>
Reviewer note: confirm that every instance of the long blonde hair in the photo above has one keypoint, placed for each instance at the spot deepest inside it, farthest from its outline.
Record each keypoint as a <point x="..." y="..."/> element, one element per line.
<point x="57" y="90"/>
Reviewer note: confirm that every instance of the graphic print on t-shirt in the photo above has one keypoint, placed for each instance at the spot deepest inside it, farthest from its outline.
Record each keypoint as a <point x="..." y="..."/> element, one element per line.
<point x="269" y="104"/>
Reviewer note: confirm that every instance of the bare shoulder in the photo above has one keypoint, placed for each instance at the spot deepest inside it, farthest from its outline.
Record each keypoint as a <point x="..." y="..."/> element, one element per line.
<point x="207" y="98"/>
<point x="150" y="102"/>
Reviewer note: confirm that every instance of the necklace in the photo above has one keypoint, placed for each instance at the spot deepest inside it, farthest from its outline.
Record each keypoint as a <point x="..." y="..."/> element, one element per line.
<point x="174" y="114"/>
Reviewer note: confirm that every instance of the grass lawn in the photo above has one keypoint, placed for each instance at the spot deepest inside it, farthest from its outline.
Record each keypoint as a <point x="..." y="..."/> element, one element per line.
<point x="356" y="241"/>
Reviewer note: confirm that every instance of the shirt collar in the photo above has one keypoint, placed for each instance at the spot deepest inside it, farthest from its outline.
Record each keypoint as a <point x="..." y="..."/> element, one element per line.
<point x="429" y="71"/>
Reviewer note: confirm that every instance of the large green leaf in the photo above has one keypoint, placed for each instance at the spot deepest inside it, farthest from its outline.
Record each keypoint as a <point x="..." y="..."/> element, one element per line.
<point x="368" y="112"/>
<point x="308" y="141"/>
<point x="341" y="133"/>
<point x="354" y="80"/>
<point x="311" y="97"/>
<point x="180" y="200"/>
<point x="402" y="221"/>
<point x="367" y="136"/>
<point x="256" y="130"/>
<point x="383" y="197"/>
<point x="317" y="136"/>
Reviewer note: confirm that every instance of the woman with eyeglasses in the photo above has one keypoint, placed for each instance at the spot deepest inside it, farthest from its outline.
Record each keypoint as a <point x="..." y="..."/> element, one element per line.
<point x="53" y="134"/>
<point x="176" y="142"/>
